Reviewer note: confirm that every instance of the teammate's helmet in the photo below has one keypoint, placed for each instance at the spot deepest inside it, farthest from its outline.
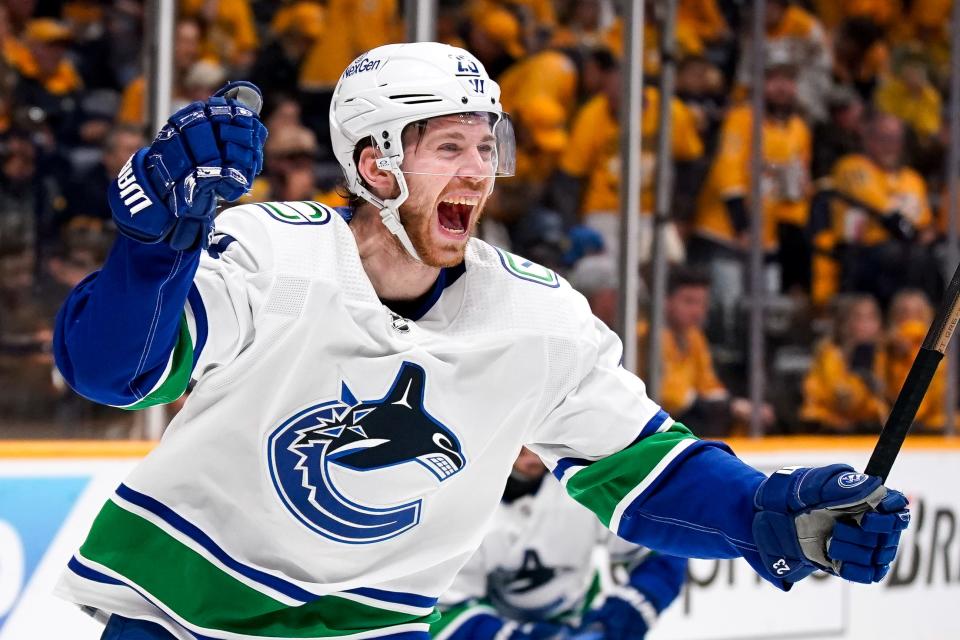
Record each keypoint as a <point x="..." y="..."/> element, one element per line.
<point x="395" y="85"/>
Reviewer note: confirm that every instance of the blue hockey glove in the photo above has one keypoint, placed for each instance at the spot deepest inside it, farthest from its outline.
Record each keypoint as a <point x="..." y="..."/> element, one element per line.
<point x="625" y="615"/>
<point x="829" y="518"/>
<point x="167" y="192"/>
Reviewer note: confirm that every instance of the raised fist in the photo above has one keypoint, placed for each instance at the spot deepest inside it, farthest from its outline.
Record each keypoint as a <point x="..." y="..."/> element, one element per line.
<point x="168" y="192"/>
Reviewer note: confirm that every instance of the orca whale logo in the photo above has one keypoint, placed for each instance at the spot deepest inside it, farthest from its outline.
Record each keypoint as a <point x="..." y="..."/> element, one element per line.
<point x="361" y="436"/>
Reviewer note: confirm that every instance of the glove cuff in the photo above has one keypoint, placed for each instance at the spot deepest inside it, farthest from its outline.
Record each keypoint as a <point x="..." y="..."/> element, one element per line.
<point x="138" y="210"/>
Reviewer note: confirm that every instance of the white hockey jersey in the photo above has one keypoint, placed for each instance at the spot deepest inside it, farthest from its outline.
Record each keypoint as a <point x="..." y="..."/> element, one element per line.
<point x="336" y="464"/>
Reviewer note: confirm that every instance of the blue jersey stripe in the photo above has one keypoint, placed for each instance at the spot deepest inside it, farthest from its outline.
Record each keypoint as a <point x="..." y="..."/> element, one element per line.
<point x="277" y="584"/>
<point x="194" y="533"/>
<point x="652" y="425"/>
<point x="200" y="318"/>
<point x="92" y="574"/>
<point x="396" y="597"/>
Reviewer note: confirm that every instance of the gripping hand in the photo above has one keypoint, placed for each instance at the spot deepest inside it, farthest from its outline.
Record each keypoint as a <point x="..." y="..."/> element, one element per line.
<point x="168" y="192"/>
<point x="829" y="518"/>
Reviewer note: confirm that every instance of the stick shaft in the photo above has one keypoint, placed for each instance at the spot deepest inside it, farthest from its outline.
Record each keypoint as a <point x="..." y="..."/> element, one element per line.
<point x="918" y="380"/>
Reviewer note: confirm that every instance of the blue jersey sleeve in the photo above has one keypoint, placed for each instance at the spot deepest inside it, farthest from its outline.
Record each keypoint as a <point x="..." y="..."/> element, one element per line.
<point x="121" y="337"/>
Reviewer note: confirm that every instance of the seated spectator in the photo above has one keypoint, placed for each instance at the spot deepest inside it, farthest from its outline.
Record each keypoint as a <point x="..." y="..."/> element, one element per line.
<point x="690" y="390"/>
<point x="18" y="197"/>
<point x="355" y="27"/>
<point x="583" y="25"/>
<point x="909" y="95"/>
<point x="908" y="319"/>
<point x="202" y="79"/>
<point x="841" y="134"/>
<point x="186" y="51"/>
<point x="230" y="35"/>
<point x="703" y="18"/>
<point x="47" y="80"/>
<point x="540" y="126"/>
<point x="802" y="42"/>
<point x="87" y="195"/>
<point x="880" y="230"/>
<point x="857" y="375"/>
<point x="860" y="55"/>
<point x="723" y="218"/>
<point x="295" y="29"/>
<point x="549" y="73"/>
<point x="495" y="36"/>
<point x="700" y="87"/>
<point x="289" y="172"/>
<point x="841" y="393"/>
<point x="587" y="186"/>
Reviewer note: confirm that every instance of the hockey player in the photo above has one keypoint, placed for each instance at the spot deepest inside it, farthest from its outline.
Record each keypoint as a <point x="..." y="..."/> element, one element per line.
<point x="534" y="577"/>
<point x="365" y="379"/>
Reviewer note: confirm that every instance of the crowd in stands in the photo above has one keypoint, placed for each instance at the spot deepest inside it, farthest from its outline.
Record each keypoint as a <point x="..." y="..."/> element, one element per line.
<point x="853" y="212"/>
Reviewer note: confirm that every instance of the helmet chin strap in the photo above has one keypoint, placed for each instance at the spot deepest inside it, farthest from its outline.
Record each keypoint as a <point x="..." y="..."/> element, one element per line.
<point x="390" y="208"/>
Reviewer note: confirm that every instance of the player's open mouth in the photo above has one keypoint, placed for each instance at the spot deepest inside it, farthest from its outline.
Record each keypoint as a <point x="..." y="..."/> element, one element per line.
<point x="453" y="213"/>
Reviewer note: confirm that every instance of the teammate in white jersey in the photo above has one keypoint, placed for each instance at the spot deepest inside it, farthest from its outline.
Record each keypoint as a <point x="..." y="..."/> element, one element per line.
<point x="364" y="381"/>
<point x="535" y="574"/>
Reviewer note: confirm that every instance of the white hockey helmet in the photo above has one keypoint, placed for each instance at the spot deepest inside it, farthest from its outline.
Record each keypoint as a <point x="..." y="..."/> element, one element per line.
<point x="395" y="85"/>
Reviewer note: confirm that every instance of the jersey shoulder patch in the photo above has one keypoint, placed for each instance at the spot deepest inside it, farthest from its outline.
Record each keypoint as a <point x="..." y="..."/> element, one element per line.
<point x="300" y="212"/>
<point x="528" y="270"/>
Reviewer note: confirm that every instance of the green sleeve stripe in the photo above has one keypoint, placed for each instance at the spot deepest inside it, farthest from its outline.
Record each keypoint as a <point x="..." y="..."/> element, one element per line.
<point x="603" y="485"/>
<point x="455" y="617"/>
<point x="178" y="376"/>
<point x="202" y="594"/>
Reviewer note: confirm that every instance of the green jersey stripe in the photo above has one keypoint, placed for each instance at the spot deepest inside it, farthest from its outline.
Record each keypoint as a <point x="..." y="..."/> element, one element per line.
<point x="177" y="376"/>
<point x="603" y="484"/>
<point x="637" y="491"/>
<point x="156" y="563"/>
<point x="455" y="617"/>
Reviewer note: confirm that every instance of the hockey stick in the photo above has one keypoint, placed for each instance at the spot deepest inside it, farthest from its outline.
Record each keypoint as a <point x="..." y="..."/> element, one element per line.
<point x="918" y="380"/>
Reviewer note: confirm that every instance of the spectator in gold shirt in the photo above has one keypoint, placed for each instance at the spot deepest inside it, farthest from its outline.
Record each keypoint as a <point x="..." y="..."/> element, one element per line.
<point x="880" y="227"/>
<point x="858" y="373"/>
<point x="841" y="392"/>
<point x="587" y="186"/>
<point x="722" y="222"/>
<point x="690" y="390"/>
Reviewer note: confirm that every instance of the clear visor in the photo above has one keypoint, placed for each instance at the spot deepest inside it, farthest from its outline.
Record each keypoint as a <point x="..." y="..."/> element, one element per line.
<point x="469" y="145"/>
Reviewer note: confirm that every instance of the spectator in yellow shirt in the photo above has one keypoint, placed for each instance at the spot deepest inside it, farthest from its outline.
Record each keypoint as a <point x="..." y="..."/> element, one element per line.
<point x="841" y="392"/>
<point x="587" y="187"/>
<point x="880" y="229"/>
<point x="230" y="34"/>
<point x="186" y="51"/>
<point x="541" y="133"/>
<point x="908" y="319"/>
<point x="356" y="27"/>
<point x="856" y="376"/>
<point x="704" y="18"/>
<point x="722" y="222"/>
<point x="690" y="389"/>
<point x="294" y="30"/>
<point x="45" y="79"/>
<point x="549" y="73"/>
<point x="909" y="95"/>
<point x="583" y="25"/>
<point x="800" y="39"/>
<point x="860" y="55"/>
